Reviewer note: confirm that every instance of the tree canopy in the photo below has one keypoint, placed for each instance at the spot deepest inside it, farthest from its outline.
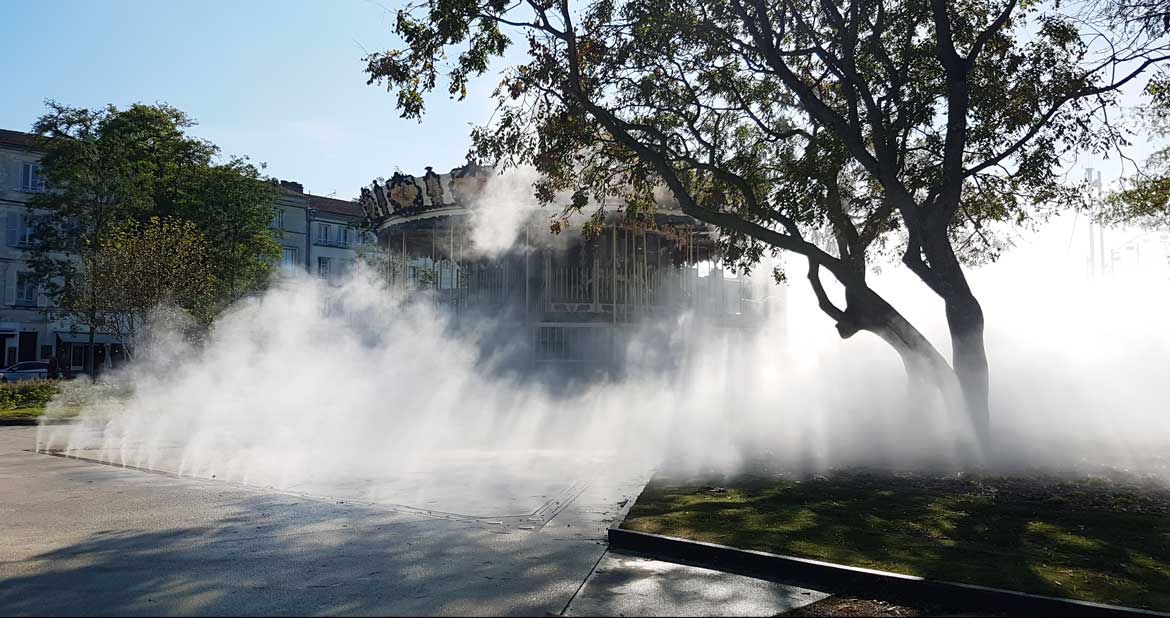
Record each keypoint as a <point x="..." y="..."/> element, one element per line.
<point x="148" y="275"/>
<point x="911" y="127"/>
<point x="111" y="167"/>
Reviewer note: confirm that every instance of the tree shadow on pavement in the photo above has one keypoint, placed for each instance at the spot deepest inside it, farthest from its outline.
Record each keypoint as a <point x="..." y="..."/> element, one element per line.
<point x="288" y="556"/>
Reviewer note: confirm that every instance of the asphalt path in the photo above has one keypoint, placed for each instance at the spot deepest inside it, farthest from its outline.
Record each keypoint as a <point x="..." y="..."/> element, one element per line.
<point x="82" y="537"/>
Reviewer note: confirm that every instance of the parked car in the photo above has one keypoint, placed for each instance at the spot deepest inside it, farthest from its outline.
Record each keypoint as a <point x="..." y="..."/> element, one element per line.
<point x="27" y="370"/>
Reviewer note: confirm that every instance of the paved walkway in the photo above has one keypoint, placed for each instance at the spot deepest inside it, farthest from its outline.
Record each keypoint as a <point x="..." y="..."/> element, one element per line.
<point x="78" y="537"/>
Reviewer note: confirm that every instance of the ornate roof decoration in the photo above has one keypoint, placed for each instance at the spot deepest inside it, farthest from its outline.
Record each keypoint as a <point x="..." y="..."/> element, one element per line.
<point x="368" y="204"/>
<point x="404" y="194"/>
<point x="434" y="186"/>
<point x="467" y="182"/>
<point x="382" y="206"/>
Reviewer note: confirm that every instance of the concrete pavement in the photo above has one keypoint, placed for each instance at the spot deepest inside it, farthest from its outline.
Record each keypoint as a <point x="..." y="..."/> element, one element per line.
<point x="78" y="537"/>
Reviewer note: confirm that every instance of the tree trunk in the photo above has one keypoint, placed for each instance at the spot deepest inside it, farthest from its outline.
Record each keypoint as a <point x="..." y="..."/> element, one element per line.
<point x="922" y="361"/>
<point x="965" y="321"/>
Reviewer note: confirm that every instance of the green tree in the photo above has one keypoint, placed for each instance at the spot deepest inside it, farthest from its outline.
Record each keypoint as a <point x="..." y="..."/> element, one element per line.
<point x="150" y="275"/>
<point x="233" y="208"/>
<point x="910" y="127"/>
<point x="1144" y="198"/>
<point x="106" y="166"/>
<point x="102" y="169"/>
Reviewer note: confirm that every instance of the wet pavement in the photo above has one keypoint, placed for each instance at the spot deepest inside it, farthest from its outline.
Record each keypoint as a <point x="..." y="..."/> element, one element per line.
<point x="468" y="533"/>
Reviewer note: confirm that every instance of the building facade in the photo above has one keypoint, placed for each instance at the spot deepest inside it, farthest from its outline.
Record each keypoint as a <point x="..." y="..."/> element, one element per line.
<point x="26" y="331"/>
<point x="319" y="235"/>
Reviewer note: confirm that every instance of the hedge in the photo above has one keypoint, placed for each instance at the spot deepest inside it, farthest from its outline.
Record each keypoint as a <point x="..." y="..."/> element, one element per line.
<point x="27" y="393"/>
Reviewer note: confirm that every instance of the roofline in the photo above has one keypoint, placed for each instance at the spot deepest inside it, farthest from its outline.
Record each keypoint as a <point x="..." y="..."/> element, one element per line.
<point x="26" y="141"/>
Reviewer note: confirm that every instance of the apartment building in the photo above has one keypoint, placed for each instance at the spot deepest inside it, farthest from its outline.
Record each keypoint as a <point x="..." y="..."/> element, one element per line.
<point x="26" y="330"/>
<point x="319" y="235"/>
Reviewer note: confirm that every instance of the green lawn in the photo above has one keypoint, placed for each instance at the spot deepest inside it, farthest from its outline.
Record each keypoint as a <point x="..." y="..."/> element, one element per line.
<point x="1092" y="539"/>
<point x="37" y="412"/>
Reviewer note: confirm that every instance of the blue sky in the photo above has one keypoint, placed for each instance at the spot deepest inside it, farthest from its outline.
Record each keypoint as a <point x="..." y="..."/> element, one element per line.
<point x="278" y="80"/>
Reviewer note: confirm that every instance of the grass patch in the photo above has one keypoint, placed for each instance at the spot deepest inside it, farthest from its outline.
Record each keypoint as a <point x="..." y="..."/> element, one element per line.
<point x="1092" y="539"/>
<point x="39" y="411"/>
<point x="58" y="399"/>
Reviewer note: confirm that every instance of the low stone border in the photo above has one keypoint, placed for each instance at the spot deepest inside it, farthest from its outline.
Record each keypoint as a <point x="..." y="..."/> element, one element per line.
<point x="841" y="579"/>
<point x="13" y="422"/>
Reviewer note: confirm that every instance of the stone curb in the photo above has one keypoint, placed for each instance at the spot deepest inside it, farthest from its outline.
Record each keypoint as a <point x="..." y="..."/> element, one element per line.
<point x="854" y="580"/>
<point x="15" y="422"/>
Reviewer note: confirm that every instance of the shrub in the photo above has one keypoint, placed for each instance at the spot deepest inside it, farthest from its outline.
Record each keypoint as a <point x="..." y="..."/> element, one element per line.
<point x="81" y="392"/>
<point x="27" y="393"/>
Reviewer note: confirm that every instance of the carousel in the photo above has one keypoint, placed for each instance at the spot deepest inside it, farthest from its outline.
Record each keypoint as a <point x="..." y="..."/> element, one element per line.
<point x="565" y="299"/>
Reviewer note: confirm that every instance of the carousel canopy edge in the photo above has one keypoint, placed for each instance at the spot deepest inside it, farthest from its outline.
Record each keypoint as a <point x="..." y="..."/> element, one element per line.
<point x="405" y="195"/>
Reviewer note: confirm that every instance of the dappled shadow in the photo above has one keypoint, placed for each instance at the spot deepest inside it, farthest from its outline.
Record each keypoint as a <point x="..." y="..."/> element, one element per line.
<point x="276" y="555"/>
<point x="1100" y="541"/>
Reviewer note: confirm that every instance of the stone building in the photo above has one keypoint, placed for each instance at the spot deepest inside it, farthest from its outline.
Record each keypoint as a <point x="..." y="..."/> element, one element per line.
<point x="26" y="332"/>
<point x="319" y="235"/>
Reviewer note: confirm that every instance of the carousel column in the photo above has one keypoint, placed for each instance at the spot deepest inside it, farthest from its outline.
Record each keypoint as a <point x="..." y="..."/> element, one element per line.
<point x="595" y="287"/>
<point x="645" y="274"/>
<point x="434" y="272"/>
<point x="613" y="300"/>
<point x="451" y="265"/>
<point x="529" y="323"/>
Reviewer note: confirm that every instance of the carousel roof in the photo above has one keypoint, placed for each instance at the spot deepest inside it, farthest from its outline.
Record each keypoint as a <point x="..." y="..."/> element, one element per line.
<point x="404" y="196"/>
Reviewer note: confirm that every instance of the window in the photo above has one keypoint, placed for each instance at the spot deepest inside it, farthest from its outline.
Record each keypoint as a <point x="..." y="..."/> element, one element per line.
<point x="323" y="232"/>
<point x="345" y="235"/>
<point x="26" y="290"/>
<point x="278" y="219"/>
<point x="288" y="259"/>
<point x="323" y="267"/>
<point x="20" y="233"/>
<point x="31" y="179"/>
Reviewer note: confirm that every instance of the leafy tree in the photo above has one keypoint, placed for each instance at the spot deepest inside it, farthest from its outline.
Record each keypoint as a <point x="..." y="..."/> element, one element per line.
<point x="1151" y="15"/>
<point x="106" y="166"/>
<point x="911" y="127"/>
<point x="149" y="275"/>
<point x="233" y="208"/>
<point x="101" y="168"/>
<point x="1144" y="199"/>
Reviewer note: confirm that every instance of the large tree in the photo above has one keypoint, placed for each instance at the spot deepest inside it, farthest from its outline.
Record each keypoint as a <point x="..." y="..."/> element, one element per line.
<point x="108" y="166"/>
<point x="145" y="276"/>
<point x="910" y="125"/>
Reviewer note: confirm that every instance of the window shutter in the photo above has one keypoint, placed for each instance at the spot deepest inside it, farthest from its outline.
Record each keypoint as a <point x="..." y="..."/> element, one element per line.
<point x="26" y="176"/>
<point x="10" y="288"/>
<point x="13" y="225"/>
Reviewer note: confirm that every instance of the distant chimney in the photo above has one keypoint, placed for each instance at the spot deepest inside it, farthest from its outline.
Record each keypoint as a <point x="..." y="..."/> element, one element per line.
<point x="295" y="187"/>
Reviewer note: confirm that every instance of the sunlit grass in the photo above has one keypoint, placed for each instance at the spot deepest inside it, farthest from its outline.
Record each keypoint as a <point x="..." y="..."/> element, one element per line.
<point x="1092" y="539"/>
<point x="37" y="412"/>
